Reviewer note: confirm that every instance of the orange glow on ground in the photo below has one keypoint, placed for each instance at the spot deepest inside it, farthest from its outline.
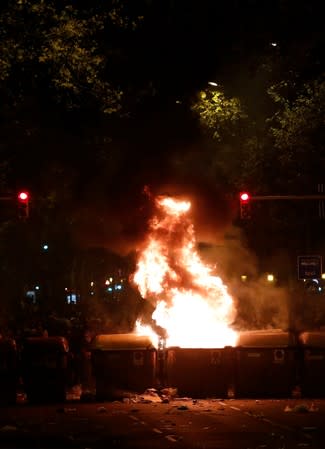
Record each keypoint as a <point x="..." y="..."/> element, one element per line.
<point x="192" y="304"/>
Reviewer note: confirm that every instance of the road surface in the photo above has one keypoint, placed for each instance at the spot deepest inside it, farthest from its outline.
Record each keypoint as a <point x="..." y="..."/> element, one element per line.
<point x="179" y="424"/>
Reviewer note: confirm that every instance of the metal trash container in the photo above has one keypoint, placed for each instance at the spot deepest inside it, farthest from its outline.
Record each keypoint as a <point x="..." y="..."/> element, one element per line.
<point x="312" y="345"/>
<point x="44" y="369"/>
<point x="200" y="372"/>
<point x="8" y="371"/>
<point x="123" y="363"/>
<point x="266" y="364"/>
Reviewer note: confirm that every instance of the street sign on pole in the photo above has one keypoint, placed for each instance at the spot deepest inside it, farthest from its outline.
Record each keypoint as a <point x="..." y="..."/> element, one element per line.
<point x="309" y="267"/>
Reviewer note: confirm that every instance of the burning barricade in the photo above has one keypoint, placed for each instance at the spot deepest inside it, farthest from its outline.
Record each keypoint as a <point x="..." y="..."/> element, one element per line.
<point x="190" y="343"/>
<point x="186" y="345"/>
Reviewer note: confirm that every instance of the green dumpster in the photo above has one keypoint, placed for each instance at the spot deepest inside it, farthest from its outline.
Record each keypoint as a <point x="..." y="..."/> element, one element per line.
<point x="123" y="363"/>
<point x="8" y="371"/>
<point x="200" y="372"/>
<point x="266" y="364"/>
<point x="44" y="369"/>
<point x="312" y="344"/>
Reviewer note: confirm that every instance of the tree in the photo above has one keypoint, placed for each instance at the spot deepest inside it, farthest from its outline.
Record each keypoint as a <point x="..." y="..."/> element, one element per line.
<point x="60" y="50"/>
<point x="227" y="128"/>
<point x="219" y="113"/>
<point x="297" y="130"/>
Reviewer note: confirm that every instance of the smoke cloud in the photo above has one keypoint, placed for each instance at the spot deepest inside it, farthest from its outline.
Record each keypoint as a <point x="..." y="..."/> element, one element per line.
<point x="260" y="304"/>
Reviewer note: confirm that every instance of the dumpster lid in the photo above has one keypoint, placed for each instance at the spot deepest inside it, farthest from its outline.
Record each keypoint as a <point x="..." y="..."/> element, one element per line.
<point x="313" y="338"/>
<point x="48" y="342"/>
<point x="265" y="338"/>
<point x="118" y="342"/>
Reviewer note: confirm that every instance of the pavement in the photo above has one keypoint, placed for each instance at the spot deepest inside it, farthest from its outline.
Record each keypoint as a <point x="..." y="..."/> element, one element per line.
<point x="142" y="423"/>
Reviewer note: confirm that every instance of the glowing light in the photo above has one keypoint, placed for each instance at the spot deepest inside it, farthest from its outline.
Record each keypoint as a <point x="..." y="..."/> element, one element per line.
<point x="323" y="275"/>
<point x="191" y="304"/>
<point x="243" y="277"/>
<point x="23" y="196"/>
<point x="213" y="83"/>
<point x="244" y="196"/>
<point x="270" y="278"/>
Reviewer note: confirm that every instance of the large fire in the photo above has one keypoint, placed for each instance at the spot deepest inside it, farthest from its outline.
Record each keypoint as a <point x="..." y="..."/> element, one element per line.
<point x="191" y="304"/>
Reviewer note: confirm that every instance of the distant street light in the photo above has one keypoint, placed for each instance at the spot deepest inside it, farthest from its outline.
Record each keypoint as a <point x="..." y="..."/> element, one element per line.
<point x="213" y="83"/>
<point x="45" y="247"/>
<point x="270" y="278"/>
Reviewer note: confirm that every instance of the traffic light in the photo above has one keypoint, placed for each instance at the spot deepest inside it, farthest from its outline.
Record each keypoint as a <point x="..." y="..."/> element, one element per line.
<point x="23" y="205"/>
<point x="245" y="206"/>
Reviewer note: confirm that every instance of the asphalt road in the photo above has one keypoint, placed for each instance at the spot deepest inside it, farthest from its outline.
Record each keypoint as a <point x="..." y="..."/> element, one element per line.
<point x="201" y="424"/>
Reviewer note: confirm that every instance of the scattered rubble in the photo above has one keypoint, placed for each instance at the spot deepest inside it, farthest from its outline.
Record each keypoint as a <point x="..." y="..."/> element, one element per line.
<point x="66" y="410"/>
<point x="8" y="428"/>
<point x="182" y="407"/>
<point x="301" y="408"/>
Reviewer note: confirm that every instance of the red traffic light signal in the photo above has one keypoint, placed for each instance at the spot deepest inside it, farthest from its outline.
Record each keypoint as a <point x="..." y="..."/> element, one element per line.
<point x="245" y="206"/>
<point x="244" y="196"/>
<point x="23" y="196"/>
<point x="23" y="204"/>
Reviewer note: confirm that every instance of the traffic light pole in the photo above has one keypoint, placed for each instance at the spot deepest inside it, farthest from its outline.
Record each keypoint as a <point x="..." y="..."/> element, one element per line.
<point x="245" y="200"/>
<point x="6" y="198"/>
<point x="287" y="197"/>
<point x="23" y="203"/>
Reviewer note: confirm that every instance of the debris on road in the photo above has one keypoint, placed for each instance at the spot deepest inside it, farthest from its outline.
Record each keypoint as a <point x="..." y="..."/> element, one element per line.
<point x="182" y="407"/>
<point x="150" y="395"/>
<point x="101" y="409"/>
<point x="301" y="408"/>
<point x="8" y="428"/>
<point x="66" y="410"/>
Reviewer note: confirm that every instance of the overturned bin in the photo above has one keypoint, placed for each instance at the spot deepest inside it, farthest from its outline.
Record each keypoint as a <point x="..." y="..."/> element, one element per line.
<point x="200" y="372"/>
<point x="312" y="366"/>
<point x="123" y="363"/>
<point x="44" y="369"/>
<point x="266" y="364"/>
<point x="8" y="371"/>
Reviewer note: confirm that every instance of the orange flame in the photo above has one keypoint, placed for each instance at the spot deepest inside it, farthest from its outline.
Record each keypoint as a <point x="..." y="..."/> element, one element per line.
<point x="145" y="329"/>
<point x="192" y="304"/>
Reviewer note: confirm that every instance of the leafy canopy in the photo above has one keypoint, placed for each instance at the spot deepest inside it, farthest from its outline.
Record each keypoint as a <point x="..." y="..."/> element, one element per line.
<point x="218" y="113"/>
<point x="60" y="49"/>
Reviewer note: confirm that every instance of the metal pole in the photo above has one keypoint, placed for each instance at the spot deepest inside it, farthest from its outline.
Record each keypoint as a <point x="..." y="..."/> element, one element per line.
<point x="287" y="197"/>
